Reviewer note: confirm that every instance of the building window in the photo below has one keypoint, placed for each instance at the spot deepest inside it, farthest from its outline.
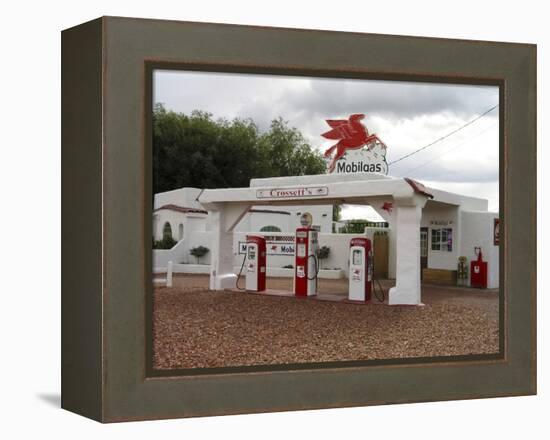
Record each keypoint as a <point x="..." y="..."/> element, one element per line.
<point x="270" y="228"/>
<point x="167" y="231"/>
<point x="180" y="232"/>
<point x="442" y="239"/>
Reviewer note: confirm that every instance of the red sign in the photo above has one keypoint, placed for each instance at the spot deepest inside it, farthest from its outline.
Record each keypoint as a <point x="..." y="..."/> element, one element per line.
<point x="387" y="206"/>
<point x="351" y="135"/>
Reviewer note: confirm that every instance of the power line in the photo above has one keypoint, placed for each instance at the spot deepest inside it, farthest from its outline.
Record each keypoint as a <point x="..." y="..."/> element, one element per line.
<point x="444" y="137"/>
<point x="411" y="170"/>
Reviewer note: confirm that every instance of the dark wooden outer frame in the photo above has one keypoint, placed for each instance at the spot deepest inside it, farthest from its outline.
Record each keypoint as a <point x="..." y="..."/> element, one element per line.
<point x="106" y="192"/>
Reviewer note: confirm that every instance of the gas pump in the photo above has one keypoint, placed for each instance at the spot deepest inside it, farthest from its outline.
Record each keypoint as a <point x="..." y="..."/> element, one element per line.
<point x="360" y="269"/>
<point x="478" y="271"/>
<point x="306" y="262"/>
<point x="255" y="263"/>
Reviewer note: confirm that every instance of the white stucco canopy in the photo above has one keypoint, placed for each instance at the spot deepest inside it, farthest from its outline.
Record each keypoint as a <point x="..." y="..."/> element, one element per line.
<point x="228" y="206"/>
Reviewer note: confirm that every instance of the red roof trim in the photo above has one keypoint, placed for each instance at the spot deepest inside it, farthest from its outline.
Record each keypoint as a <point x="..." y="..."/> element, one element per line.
<point x="419" y="188"/>
<point x="269" y="211"/>
<point x="177" y="208"/>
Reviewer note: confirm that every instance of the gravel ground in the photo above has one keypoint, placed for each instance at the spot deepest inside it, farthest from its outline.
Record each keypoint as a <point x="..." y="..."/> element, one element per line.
<point x="194" y="327"/>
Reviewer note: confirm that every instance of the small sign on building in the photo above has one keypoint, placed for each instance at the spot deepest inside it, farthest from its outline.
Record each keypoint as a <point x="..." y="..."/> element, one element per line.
<point x="289" y="193"/>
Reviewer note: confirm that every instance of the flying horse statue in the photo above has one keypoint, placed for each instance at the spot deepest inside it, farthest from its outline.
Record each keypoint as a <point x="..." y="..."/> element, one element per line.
<point x="351" y="135"/>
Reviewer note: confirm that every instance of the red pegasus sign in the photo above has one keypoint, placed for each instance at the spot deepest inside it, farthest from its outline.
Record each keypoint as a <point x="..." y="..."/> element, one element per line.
<point x="351" y="135"/>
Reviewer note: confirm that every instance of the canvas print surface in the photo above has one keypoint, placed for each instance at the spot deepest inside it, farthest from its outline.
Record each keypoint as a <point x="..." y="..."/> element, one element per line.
<point x="301" y="221"/>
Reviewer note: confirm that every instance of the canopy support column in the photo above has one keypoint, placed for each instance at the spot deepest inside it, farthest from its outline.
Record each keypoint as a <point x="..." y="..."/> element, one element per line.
<point x="408" y="212"/>
<point x="224" y="217"/>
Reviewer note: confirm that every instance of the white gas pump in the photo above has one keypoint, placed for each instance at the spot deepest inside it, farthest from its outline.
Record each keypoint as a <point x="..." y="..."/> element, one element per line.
<point x="360" y="269"/>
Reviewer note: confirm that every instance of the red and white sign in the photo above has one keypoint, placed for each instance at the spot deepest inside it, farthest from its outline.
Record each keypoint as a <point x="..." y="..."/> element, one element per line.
<point x="290" y="193"/>
<point x="357" y="150"/>
<point x="275" y="244"/>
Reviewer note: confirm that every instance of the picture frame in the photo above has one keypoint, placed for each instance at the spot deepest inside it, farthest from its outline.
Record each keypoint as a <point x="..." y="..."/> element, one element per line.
<point x="106" y="191"/>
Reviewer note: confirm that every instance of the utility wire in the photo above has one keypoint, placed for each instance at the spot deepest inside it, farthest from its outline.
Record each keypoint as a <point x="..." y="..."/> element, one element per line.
<point x="411" y="170"/>
<point x="444" y="137"/>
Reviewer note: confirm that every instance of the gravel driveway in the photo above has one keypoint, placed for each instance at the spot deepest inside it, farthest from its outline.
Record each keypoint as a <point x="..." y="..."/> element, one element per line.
<point x="195" y="327"/>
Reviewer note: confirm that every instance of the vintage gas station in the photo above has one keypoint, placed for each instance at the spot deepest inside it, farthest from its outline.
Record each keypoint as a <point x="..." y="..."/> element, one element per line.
<point x="408" y="200"/>
<point x="431" y="232"/>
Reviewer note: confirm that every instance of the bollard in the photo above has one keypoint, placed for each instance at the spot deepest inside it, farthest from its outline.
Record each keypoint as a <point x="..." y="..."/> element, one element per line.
<point x="169" y="274"/>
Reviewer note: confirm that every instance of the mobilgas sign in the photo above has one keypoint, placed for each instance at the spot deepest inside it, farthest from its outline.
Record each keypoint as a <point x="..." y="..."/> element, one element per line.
<point x="343" y="166"/>
<point x="357" y="150"/>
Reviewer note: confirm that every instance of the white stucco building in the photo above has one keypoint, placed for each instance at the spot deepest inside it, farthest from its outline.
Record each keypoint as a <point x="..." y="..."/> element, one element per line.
<point x="179" y="212"/>
<point x="429" y="229"/>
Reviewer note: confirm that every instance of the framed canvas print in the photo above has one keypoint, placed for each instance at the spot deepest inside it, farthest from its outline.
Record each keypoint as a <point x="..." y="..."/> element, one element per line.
<point x="284" y="219"/>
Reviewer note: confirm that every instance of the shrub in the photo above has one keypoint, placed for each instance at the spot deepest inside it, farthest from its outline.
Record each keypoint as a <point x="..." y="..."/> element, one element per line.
<point x="166" y="243"/>
<point x="323" y="252"/>
<point x="198" y="252"/>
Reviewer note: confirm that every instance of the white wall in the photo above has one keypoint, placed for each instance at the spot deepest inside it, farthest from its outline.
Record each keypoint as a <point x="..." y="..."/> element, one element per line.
<point x="441" y="213"/>
<point x="174" y="218"/>
<point x="191" y="223"/>
<point x="254" y="221"/>
<point x="337" y="259"/>
<point x="161" y="257"/>
<point x="184" y="197"/>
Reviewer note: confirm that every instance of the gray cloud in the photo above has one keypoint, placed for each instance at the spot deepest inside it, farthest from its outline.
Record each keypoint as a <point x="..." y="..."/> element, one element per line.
<point x="406" y="115"/>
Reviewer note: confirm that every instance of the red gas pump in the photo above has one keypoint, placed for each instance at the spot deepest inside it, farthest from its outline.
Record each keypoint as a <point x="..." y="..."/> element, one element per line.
<point x="360" y="269"/>
<point x="478" y="271"/>
<point x="255" y="263"/>
<point x="306" y="262"/>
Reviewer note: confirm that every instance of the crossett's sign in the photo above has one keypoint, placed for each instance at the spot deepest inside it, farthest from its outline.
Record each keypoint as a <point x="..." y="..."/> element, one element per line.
<point x="289" y="193"/>
<point x="357" y="150"/>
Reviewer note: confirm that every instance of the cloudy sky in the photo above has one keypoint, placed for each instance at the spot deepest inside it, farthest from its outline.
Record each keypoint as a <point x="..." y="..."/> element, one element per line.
<point x="405" y="115"/>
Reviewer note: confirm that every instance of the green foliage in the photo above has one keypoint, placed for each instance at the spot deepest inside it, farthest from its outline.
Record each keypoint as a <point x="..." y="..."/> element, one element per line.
<point x="196" y="150"/>
<point x="323" y="253"/>
<point x="357" y="226"/>
<point x="354" y="227"/>
<point x="198" y="252"/>
<point x="336" y="213"/>
<point x="166" y="243"/>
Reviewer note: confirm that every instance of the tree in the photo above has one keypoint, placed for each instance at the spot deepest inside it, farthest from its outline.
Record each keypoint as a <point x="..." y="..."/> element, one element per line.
<point x="198" y="252"/>
<point x="286" y="153"/>
<point x="197" y="151"/>
<point x="165" y="243"/>
<point x="336" y="213"/>
<point x="355" y="226"/>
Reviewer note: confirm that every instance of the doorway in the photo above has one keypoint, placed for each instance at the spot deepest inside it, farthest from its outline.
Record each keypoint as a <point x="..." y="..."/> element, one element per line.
<point x="423" y="250"/>
<point x="380" y="254"/>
